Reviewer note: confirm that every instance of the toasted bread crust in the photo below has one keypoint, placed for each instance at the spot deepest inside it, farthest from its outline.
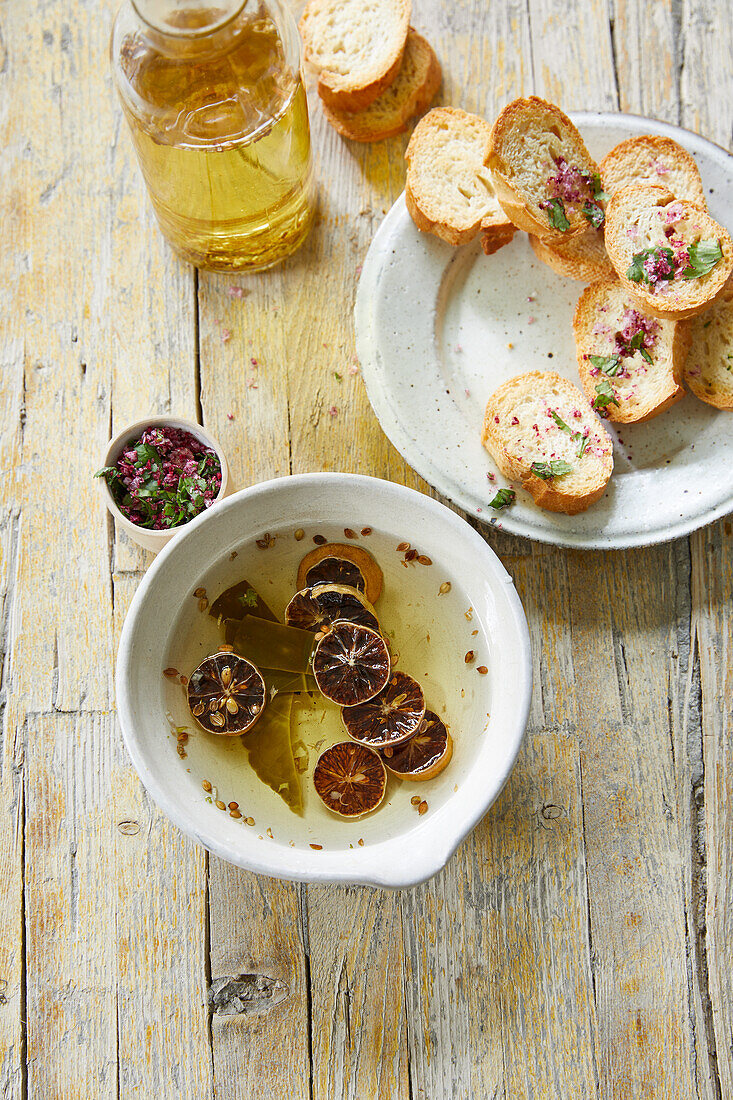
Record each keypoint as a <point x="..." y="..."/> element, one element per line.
<point x="650" y="388"/>
<point x="635" y="220"/>
<point x="453" y="143"/>
<point x="411" y="93"/>
<point x="656" y="161"/>
<point x="519" y="204"/>
<point x="360" y="85"/>
<point x="708" y="371"/>
<point x="553" y="494"/>
<point x="583" y="258"/>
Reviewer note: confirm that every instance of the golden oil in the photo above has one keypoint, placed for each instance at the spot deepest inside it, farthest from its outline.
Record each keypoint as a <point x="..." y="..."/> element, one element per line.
<point x="219" y="121"/>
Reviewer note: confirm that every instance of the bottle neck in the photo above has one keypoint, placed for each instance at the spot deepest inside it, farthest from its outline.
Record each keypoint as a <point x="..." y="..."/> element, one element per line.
<point x="187" y="18"/>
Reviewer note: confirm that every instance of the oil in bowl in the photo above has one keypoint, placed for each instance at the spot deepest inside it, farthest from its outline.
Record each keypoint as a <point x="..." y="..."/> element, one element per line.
<point x="267" y="786"/>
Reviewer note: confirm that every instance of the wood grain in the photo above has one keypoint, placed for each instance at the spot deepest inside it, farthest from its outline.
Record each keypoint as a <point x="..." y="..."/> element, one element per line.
<point x="579" y="943"/>
<point x="706" y="77"/>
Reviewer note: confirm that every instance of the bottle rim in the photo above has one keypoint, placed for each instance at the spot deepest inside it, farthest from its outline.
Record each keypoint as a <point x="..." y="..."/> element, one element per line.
<point x="170" y="30"/>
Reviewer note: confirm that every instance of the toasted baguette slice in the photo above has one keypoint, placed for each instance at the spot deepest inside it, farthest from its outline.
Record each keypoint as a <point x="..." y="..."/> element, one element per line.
<point x="606" y="319"/>
<point x="527" y="139"/>
<point x="520" y="430"/>
<point x="449" y="191"/>
<point x="355" y="46"/>
<point x="709" y="366"/>
<point x="642" y="218"/>
<point x="411" y="92"/>
<point x="657" y="161"/>
<point x="583" y="257"/>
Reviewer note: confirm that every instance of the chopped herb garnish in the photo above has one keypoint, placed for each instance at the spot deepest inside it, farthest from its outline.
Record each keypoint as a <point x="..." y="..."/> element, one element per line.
<point x="598" y="193"/>
<point x="553" y="468"/>
<point x="560" y="422"/>
<point x="604" y="396"/>
<point x="636" y="343"/>
<point x="337" y="376"/>
<point x="663" y="265"/>
<point x="594" y="214"/>
<point x="609" y="364"/>
<point x="583" y="444"/>
<point x="164" y="478"/>
<point x="704" y="255"/>
<point x="503" y="498"/>
<point x="249" y="598"/>
<point x="556" y="214"/>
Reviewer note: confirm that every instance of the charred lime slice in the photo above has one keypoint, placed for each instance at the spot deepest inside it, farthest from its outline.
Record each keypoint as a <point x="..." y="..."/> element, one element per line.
<point x="226" y="694"/>
<point x="350" y="779"/>
<point x="390" y="717"/>
<point x="425" y="754"/>
<point x="317" y="608"/>
<point x="336" y="571"/>
<point x="351" y="664"/>
<point x="359" y="557"/>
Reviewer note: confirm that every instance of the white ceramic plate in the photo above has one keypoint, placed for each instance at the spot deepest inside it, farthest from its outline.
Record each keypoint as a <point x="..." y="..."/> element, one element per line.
<point x="433" y="325"/>
<point x="432" y="632"/>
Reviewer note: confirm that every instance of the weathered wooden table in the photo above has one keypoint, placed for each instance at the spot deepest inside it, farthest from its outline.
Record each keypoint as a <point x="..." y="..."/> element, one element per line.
<point x="579" y="943"/>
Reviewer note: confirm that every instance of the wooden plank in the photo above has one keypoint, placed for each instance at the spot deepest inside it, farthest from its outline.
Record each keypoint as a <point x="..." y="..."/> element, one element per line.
<point x="706" y="74"/>
<point x="12" y="353"/>
<point x="623" y="618"/>
<point x="260" y="1024"/>
<point x="645" y="43"/>
<point x="71" y="1005"/>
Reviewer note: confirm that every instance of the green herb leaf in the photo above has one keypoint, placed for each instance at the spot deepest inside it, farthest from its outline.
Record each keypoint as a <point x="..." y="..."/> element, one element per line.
<point x="704" y="255"/>
<point x="604" y="396"/>
<point x="503" y="499"/>
<point x="337" y="376"/>
<point x="594" y="214"/>
<point x="249" y="598"/>
<point x="584" y="439"/>
<point x="598" y="193"/>
<point x="608" y="364"/>
<point x="553" y="468"/>
<point x="560" y="422"/>
<point x="635" y="271"/>
<point x="556" y="214"/>
<point x="636" y="343"/>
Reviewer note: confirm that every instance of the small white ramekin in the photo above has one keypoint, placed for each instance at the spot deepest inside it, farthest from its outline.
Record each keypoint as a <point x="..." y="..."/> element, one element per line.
<point x="143" y="536"/>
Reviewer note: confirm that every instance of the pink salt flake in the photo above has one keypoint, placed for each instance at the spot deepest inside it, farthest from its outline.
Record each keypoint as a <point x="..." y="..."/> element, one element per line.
<point x="251" y="384"/>
<point x="236" y="292"/>
<point x="225" y="335"/>
<point x="530" y="320"/>
<point x="230" y="416"/>
<point x="353" y="368"/>
<point x="254" y="362"/>
<point x="467" y="393"/>
<point x="515" y="421"/>
<point x="333" y="411"/>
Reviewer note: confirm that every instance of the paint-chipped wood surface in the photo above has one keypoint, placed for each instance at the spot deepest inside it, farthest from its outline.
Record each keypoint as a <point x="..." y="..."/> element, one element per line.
<point x="580" y="942"/>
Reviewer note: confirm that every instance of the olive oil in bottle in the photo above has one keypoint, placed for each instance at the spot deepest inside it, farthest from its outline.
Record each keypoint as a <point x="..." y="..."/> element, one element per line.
<point x="219" y="121"/>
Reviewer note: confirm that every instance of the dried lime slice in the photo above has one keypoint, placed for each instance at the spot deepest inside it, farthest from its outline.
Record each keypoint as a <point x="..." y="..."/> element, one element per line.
<point x="350" y="779"/>
<point x="425" y="754"/>
<point x="366" y="564"/>
<point x="226" y="694"/>
<point x="390" y="717"/>
<point x="351" y="664"/>
<point x="318" y="608"/>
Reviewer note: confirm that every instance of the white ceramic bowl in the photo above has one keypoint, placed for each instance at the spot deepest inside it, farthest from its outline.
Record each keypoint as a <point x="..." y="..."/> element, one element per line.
<point x="143" y="536"/>
<point x="397" y="847"/>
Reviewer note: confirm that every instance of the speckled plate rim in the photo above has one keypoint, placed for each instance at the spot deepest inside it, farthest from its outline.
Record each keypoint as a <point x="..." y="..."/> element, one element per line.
<point x="408" y="442"/>
<point x="391" y="863"/>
